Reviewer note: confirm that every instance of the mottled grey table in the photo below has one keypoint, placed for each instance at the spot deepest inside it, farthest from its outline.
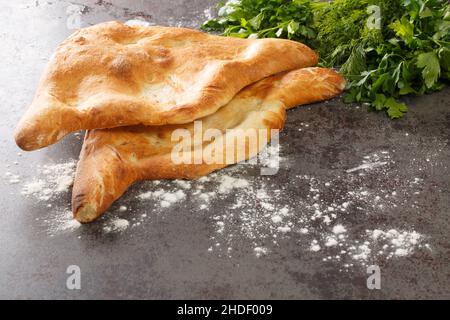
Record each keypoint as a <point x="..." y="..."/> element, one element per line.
<point x="236" y="246"/>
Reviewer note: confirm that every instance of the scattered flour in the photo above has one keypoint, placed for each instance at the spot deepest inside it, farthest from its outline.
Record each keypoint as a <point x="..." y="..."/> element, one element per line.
<point x="331" y="241"/>
<point x="227" y="183"/>
<point x="284" y="229"/>
<point x="254" y="213"/>
<point x="52" y="180"/>
<point x="59" y="222"/>
<point x="314" y="247"/>
<point x="276" y="218"/>
<point x="269" y="157"/>
<point x="265" y="215"/>
<point x="183" y="184"/>
<point x="339" y="228"/>
<point x="166" y="198"/>
<point x="260" y="251"/>
<point x="116" y="225"/>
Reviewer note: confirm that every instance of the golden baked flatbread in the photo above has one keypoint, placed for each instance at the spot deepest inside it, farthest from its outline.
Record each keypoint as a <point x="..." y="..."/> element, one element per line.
<point x="112" y="159"/>
<point x="112" y="75"/>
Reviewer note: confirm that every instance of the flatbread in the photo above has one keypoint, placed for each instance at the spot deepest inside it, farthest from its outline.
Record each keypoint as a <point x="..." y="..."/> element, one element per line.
<point x="112" y="159"/>
<point x="112" y="75"/>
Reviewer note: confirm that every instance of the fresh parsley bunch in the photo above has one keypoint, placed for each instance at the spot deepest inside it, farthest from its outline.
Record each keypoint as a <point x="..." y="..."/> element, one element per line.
<point x="408" y="54"/>
<point x="290" y="19"/>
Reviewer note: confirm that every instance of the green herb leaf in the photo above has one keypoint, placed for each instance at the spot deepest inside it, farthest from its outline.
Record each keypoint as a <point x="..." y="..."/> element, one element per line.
<point x="356" y="63"/>
<point x="431" y="67"/>
<point x="403" y="28"/>
<point x="379" y="101"/>
<point x="395" y="109"/>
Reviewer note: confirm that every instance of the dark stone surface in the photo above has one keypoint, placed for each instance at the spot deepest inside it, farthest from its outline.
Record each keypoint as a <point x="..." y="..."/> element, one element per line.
<point x="167" y="256"/>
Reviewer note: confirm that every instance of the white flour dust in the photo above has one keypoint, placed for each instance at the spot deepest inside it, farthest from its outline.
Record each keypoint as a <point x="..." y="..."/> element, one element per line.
<point x="116" y="225"/>
<point x="264" y="215"/>
<point x="166" y="198"/>
<point x="59" y="221"/>
<point x="51" y="181"/>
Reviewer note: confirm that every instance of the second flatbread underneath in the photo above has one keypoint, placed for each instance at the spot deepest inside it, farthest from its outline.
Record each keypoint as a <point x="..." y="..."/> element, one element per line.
<point x="112" y="159"/>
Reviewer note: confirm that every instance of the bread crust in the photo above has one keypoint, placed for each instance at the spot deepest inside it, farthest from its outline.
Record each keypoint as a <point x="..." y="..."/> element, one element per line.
<point x="111" y="75"/>
<point x="112" y="159"/>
